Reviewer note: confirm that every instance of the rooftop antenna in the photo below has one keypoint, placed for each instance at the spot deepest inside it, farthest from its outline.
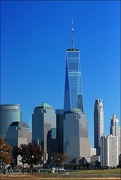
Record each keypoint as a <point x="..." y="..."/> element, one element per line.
<point x="72" y="34"/>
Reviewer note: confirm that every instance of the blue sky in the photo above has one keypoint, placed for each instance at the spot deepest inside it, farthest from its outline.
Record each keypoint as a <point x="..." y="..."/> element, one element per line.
<point x="34" y="39"/>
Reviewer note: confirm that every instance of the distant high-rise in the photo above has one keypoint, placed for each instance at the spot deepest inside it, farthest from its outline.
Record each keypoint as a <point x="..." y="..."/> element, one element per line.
<point x="98" y="124"/>
<point x="8" y="114"/>
<point x="115" y="130"/>
<point x="44" y="128"/>
<point x="73" y="88"/>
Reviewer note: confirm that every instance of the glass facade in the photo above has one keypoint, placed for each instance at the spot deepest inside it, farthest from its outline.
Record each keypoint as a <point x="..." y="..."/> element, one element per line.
<point x="8" y="113"/>
<point x="59" y="128"/>
<point x="44" y="128"/>
<point x="73" y="90"/>
<point x="75" y="134"/>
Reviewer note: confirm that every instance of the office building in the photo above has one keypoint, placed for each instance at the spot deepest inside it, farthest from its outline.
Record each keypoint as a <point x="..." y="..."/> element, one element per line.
<point x="59" y="129"/>
<point x="115" y="130"/>
<point x="109" y="151"/>
<point x="76" y="141"/>
<point x="73" y="88"/>
<point x="98" y="124"/>
<point x="18" y="133"/>
<point x="8" y="113"/>
<point x="44" y="129"/>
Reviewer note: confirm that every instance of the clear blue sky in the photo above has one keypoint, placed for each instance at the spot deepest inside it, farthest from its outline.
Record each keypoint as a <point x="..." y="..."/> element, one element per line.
<point x="34" y="39"/>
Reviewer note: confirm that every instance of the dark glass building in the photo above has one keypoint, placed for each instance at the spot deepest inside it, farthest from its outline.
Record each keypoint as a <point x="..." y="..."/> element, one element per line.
<point x="73" y="88"/>
<point x="8" y="114"/>
<point x="59" y="129"/>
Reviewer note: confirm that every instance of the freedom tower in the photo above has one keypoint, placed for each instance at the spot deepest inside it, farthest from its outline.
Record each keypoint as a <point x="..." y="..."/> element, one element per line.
<point x="73" y="90"/>
<point x="76" y="144"/>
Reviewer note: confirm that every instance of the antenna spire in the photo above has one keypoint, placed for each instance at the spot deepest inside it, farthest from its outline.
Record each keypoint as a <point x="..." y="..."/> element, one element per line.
<point x="72" y="34"/>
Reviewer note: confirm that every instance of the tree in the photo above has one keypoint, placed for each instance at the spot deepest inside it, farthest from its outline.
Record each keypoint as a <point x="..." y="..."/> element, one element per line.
<point x="58" y="159"/>
<point x="5" y="154"/>
<point x="31" y="154"/>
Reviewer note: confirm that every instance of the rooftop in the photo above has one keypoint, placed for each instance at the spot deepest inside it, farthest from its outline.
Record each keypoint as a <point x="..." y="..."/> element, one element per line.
<point x="75" y="110"/>
<point x="44" y="105"/>
<point x="19" y="124"/>
<point x="72" y="49"/>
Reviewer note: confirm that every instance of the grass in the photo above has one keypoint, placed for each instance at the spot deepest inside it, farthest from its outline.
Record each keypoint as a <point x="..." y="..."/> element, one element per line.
<point x="112" y="174"/>
<point x="106" y="171"/>
<point x="38" y="177"/>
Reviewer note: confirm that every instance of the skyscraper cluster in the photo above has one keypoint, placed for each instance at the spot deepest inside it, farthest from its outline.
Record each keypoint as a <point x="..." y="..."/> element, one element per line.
<point x="65" y="130"/>
<point x="108" y="148"/>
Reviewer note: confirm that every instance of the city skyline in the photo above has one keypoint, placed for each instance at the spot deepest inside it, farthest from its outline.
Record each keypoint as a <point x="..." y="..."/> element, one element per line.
<point x="34" y="40"/>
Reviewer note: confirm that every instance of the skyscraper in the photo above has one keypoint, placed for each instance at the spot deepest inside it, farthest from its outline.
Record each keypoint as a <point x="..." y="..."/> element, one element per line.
<point x="44" y="128"/>
<point x="109" y="151"/>
<point x="76" y="141"/>
<point x="98" y="124"/>
<point x="115" y="130"/>
<point x="59" y="129"/>
<point x="76" y="144"/>
<point x="8" y="114"/>
<point x="73" y="89"/>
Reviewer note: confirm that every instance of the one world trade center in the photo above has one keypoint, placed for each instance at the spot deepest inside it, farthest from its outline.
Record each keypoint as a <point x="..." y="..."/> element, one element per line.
<point x="73" y="87"/>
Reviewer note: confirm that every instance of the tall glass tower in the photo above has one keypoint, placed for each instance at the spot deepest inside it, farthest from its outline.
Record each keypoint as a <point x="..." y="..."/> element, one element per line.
<point x="73" y="90"/>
